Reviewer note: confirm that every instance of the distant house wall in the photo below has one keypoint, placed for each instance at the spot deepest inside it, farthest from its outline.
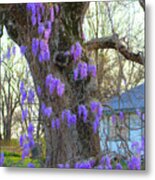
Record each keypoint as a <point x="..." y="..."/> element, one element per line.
<point x="133" y="133"/>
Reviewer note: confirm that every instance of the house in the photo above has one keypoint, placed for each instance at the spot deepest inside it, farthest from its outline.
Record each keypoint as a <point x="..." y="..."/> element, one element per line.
<point x="123" y="122"/>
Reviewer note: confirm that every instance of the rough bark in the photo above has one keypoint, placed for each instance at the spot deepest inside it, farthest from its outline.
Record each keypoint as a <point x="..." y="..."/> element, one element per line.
<point x="65" y="144"/>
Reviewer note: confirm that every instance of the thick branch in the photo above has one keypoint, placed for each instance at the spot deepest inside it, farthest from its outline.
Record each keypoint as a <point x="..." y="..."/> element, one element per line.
<point x="113" y="42"/>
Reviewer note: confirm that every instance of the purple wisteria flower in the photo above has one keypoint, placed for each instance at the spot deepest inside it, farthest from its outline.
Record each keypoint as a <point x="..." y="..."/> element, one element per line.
<point x="70" y="118"/>
<point x="55" y="123"/>
<point x="138" y="112"/>
<point x="30" y="128"/>
<point x="1" y="159"/>
<point x="60" y="88"/>
<point x="30" y="96"/>
<point x="121" y="116"/>
<point x="24" y="114"/>
<point x="54" y="84"/>
<point x="76" y="73"/>
<point x="39" y="91"/>
<point x="8" y="54"/>
<point x="92" y="70"/>
<point x="96" y="108"/>
<point x="113" y="118"/>
<point x="61" y="166"/>
<point x="31" y="165"/>
<point x="47" y="33"/>
<point x="22" y="87"/>
<point x="83" y="70"/>
<point x="14" y="50"/>
<point x="108" y="163"/>
<point x="35" y="46"/>
<point x="119" y="166"/>
<point x="95" y="126"/>
<point x="52" y="14"/>
<point x="100" y="167"/>
<point x="41" y="28"/>
<point x="44" y="51"/>
<point x="23" y="49"/>
<point x="26" y="151"/>
<point x="83" y="165"/>
<point x="76" y="51"/>
<point x="134" y="163"/>
<point x="24" y="95"/>
<point x="22" y="140"/>
<point x="83" y="112"/>
<point x="46" y="111"/>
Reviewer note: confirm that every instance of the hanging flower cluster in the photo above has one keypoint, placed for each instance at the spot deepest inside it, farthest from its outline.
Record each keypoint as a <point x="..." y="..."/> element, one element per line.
<point x="69" y="118"/>
<point x="53" y="84"/>
<point x="97" y="110"/>
<point x="83" y="70"/>
<point x="83" y="112"/>
<point x="27" y="141"/>
<point x="1" y="159"/>
<point x="76" y="51"/>
<point x="46" y="111"/>
<point x="55" y="123"/>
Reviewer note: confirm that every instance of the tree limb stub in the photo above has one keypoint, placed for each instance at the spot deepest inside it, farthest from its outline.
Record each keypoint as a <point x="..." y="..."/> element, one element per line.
<point x="113" y="42"/>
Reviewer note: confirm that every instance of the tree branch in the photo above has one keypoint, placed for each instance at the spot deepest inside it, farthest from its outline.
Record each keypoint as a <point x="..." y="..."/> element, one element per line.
<point x="142" y="3"/>
<point x="113" y="42"/>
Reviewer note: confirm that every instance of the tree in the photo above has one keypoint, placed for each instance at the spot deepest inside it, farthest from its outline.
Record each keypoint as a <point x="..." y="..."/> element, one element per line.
<point x="63" y="29"/>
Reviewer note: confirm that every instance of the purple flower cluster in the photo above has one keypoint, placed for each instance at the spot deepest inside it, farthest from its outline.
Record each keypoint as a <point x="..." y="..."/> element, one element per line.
<point x="30" y="97"/>
<point x="46" y="111"/>
<point x="134" y="163"/>
<point x="138" y="147"/>
<point x="39" y="91"/>
<point x="30" y="165"/>
<point x="83" y="165"/>
<point x="92" y="70"/>
<point x="119" y="166"/>
<point x="37" y="10"/>
<point x="55" y="123"/>
<point x="53" y="84"/>
<point x="8" y="54"/>
<point x="76" y="51"/>
<point x="83" y="70"/>
<point x="27" y="141"/>
<point x="52" y="14"/>
<point x="105" y="163"/>
<point x="113" y="118"/>
<point x="121" y="116"/>
<point x="44" y="54"/>
<point x="83" y="112"/>
<point x="97" y="110"/>
<point x="35" y="46"/>
<point x="1" y="159"/>
<point x="70" y="118"/>
<point x="80" y="71"/>
<point x="67" y="166"/>
<point x="22" y="92"/>
<point x="24" y="114"/>
<point x="41" y="28"/>
<point x="23" y="49"/>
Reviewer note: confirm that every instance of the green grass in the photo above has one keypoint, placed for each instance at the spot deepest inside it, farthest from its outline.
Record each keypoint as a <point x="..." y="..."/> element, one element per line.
<point x="11" y="161"/>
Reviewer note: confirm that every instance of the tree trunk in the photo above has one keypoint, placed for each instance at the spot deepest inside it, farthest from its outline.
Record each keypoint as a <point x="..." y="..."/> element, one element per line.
<point x="66" y="144"/>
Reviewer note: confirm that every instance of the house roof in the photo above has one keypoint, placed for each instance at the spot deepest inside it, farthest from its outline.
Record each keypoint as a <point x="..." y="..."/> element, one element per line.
<point x="128" y="101"/>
